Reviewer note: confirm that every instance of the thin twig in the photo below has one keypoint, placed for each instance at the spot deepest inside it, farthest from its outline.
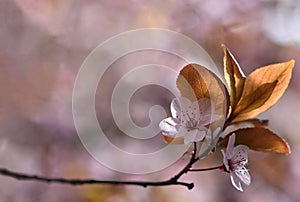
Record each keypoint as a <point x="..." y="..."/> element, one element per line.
<point x="23" y="176"/>
<point x="171" y="181"/>
<point x="189" y="165"/>
<point x="206" y="169"/>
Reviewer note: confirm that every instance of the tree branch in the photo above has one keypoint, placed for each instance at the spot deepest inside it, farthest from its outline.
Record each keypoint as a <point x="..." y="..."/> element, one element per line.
<point x="23" y="176"/>
<point x="76" y="182"/>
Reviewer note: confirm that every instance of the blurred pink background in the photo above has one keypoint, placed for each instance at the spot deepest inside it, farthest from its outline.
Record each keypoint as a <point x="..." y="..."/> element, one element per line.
<point x="42" y="46"/>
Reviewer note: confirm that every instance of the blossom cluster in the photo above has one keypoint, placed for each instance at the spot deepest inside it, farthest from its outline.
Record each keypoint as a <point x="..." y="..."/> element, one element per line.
<point x="190" y="120"/>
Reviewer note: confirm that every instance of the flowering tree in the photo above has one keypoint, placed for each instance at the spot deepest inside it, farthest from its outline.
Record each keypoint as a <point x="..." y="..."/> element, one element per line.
<point x="209" y="116"/>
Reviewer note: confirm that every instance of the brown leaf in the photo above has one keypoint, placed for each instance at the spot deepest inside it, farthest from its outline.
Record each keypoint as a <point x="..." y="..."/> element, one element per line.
<point x="195" y="82"/>
<point x="254" y="100"/>
<point x="260" y="139"/>
<point x="264" y="76"/>
<point x="234" y="77"/>
<point x="250" y="123"/>
<point x="254" y="122"/>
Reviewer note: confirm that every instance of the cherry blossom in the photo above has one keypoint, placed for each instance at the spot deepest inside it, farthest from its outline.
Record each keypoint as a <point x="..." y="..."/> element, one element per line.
<point x="235" y="160"/>
<point x="189" y="120"/>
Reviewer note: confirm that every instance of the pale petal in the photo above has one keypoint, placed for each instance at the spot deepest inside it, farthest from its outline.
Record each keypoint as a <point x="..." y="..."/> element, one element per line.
<point x="208" y="119"/>
<point x="225" y="160"/>
<point x="182" y="131"/>
<point x="240" y="154"/>
<point x="187" y="140"/>
<point x="243" y="174"/>
<point x="200" y="108"/>
<point x="175" y="108"/>
<point x="191" y="112"/>
<point x="189" y="137"/>
<point x="194" y="110"/>
<point x="184" y="103"/>
<point x="235" y="181"/>
<point x="169" y="134"/>
<point x="230" y="145"/>
<point x="169" y="127"/>
<point x="204" y="106"/>
<point x="185" y="111"/>
<point x="200" y="134"/>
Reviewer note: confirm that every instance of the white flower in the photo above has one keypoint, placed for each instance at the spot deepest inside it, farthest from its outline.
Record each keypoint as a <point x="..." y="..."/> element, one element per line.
<point x="235" y="160"/>
<point x="188" y="119"/>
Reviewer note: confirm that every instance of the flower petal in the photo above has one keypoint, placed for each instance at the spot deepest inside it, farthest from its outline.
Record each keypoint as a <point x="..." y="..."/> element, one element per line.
<point x="182" y="131"/>
<point x="185" y="103"/>
<point x="196" y="110"/>
<point x="200" y="134"/>
<point x="169" y="126"/>
<point x="230" y="145"/>
<point x="208" y="119"/>
<point x="189" y="136"/>
<point x="225" y="160"/>
<point x="204" y="106"/>
<point x="193" y="136"/>
<point x="243" y="174"/>
<point x="235" y="182"/>
<point x="200" y="108"/>
<point x="175" y="109"/>
<point x="190" y="112"/>
<point x="240" y="154"/>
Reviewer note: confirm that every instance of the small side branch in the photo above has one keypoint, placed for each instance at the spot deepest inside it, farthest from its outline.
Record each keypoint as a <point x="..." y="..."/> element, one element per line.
<point x="207" y="169"/>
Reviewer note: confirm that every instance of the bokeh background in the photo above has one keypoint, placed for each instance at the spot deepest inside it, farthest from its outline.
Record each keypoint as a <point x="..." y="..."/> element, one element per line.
<point x="42" y="46"/>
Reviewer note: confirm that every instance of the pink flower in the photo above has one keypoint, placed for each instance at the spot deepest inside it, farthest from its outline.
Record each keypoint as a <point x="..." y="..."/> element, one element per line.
<point x="235" y="160"/>
<point x="188" y="119"/>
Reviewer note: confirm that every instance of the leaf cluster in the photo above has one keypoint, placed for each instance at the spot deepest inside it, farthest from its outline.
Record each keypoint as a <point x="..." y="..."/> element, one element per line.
<point x="241" y="100"/>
